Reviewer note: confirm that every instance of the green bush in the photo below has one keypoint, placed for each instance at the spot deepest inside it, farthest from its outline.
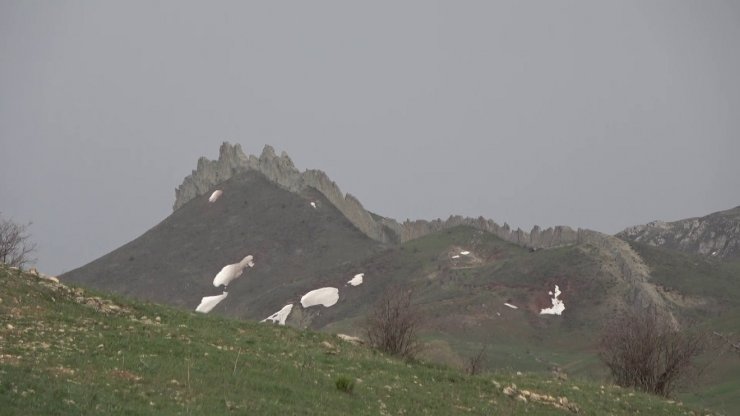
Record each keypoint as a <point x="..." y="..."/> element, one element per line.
<point x="345" y="384"/>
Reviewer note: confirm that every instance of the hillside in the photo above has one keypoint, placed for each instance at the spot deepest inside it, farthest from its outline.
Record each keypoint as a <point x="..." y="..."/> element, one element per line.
<point x="67" y="351"/>
<point x="716" y="234"/>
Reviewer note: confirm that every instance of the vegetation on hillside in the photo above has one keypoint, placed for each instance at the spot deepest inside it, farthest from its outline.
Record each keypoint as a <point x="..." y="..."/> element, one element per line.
<point x="67" y="351"/>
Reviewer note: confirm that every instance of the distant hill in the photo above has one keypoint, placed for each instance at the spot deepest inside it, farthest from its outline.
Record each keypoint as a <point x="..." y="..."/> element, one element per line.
<point x="716" y="234"/>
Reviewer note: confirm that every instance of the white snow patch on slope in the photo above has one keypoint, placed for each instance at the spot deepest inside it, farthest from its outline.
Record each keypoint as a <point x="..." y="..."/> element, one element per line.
<point x="456" y="256"/>
<point x="326" y="296"/>
<point x="357" y="280"/>
<point x="280" y="316"/>
<point x="464" y="253"/>
<point x="210" y="302"/>
<point x="232" y="271"/>
<point x="511" y="306"/>
<point x="313" y="204"/>
<point x="558" y="306"/>
<point x="215" y="195"/>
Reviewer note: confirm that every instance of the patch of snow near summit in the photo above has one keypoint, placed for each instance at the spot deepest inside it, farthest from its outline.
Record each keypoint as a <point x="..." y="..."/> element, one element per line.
<point x="326" y="296"/>
<point x="357" y="280"/>
<point x="456" y="256"/>
<point x="215" y="195"/>
<point x="280" y="316"/>
<point x="232" y="271"/>
<point x="464" y="253"/>
<point x="210" y="302"/>
<point x="557" y="307"/>
<point x="313" y="204"/>
<point x="511" y="306"/>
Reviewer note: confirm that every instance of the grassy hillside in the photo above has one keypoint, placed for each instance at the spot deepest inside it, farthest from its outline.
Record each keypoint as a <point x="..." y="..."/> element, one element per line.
<point x="463" y="299"/>
<point x="67" y="351"/>
<point x="708" y="289"/>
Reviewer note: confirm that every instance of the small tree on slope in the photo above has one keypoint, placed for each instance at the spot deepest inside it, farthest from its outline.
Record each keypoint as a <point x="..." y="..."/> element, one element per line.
<point x="15" y="248"/>
<point x="392" y="326"/>
<point x="644" y="351"/>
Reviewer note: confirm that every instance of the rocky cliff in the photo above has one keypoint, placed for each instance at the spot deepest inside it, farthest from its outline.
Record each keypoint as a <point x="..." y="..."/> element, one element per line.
<point x="282" y="171"/>
<point x="716" y="235"/>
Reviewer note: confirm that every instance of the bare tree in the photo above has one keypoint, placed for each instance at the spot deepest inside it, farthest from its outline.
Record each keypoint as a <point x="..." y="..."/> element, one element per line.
<point x="476" y="362"/>
<point x="15" y="247"/>
<point x="644" y="351"/>
<point x="393" y="324"/>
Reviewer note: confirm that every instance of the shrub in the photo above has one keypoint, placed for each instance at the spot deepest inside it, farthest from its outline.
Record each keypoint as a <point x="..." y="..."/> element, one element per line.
<point x="645" y="351"/>
<point x="393" y="324"/>
<point x="345" y="385"/>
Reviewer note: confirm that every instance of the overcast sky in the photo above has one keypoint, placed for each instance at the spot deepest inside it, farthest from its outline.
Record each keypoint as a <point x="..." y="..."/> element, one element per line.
<point x="590" y="114"/>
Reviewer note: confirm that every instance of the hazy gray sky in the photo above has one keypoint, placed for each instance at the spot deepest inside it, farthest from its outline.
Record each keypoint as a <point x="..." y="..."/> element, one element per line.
<point x="591" y="114"/>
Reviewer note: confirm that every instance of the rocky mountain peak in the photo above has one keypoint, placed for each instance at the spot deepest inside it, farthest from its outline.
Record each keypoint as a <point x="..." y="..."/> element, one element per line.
<point x="715" y="235"/>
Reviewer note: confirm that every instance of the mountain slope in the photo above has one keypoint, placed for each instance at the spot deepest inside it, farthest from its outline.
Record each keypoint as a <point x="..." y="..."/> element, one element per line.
<point x="716" y="234"/>
<point x="292" y="242"/>
<point x="65" y="351"/>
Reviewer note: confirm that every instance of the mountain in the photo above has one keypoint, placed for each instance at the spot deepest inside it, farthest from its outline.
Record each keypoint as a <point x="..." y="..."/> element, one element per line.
<point x="293" y="244"/>
<point x="716" y="234"/>
<point x="304" y="233"/>
<point x="478" y="284"/>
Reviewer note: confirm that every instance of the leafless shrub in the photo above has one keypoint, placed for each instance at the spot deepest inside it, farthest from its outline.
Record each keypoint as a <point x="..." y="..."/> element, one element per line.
<point x="15" y="247"/>
<point x="477" y="362"/>
<point x="393" y="324"/>
<point x="644" y="351"/>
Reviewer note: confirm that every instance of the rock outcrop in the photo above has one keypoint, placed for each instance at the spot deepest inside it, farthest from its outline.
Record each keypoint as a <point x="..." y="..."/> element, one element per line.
<point x="716" y="235"/>
<point x="282" y="171"/>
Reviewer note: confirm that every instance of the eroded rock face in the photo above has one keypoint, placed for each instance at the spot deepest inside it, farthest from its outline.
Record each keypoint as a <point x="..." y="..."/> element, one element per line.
<point x="231" y="160"/>
<point x="716" y="235"/>
<point x="282" y="171"/>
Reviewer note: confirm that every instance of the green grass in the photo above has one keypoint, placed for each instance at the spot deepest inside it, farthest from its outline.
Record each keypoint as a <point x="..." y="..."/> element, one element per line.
<point x="62" y="355"/>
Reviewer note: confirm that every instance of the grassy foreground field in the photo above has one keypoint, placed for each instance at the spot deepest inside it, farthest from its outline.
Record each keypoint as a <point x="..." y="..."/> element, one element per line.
<point x="64" y="351"/>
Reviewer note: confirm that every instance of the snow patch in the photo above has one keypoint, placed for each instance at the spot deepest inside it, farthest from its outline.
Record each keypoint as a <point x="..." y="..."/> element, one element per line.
<point x="511" y="306"/>
<point x="357" y="280"/>
<point x="280" y="316"/>
<point x="215" y="195"/>
<point x="247" y="261"/>
<point x="464" y="253"/>
<point x="313" y="204"/>
<point x="210" y="302"/>
<point x="232" y="271"/>
<point x="326" y="296"/>
<point x="558" y="306"/>
<point x="456" y="256"/>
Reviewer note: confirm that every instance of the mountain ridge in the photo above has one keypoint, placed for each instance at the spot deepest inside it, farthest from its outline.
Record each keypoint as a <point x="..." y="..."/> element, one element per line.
<point x="282" y="171"/>
<point x="716" y="234"/>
